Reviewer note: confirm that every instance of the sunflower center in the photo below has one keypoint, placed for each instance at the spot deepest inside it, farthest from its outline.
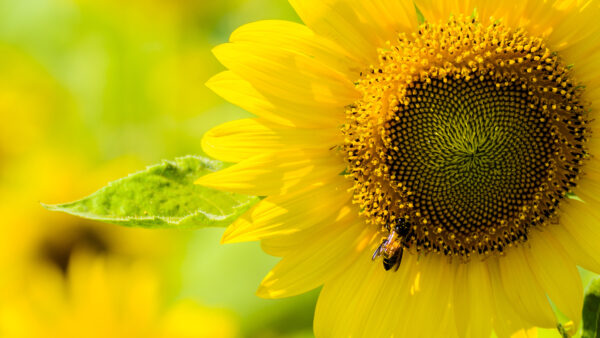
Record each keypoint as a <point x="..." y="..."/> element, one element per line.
<point x="470" y="135"/>
<point x="474" y="154"/>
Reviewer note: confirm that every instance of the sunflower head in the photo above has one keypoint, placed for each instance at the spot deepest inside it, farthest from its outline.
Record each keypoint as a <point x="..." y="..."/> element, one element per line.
<point x="468" y="155"/>
<point x="472" y="132"/>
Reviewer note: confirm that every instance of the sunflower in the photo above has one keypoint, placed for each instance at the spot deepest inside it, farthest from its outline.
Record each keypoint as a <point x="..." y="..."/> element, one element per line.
<point x="431" y="164"/>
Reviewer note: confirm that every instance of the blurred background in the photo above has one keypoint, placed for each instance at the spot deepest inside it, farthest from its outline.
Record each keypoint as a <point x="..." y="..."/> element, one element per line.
<point x="91" y="91"/>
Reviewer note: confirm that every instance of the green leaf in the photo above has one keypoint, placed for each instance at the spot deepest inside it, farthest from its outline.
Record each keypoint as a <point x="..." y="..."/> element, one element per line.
<point x="591" y="311"/>
<point x="420" y="16"/>
<point x="162" y="196"/>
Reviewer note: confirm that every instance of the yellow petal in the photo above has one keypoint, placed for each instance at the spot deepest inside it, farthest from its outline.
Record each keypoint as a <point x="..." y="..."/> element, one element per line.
<point x="290" y="213"/>
<point x="473" y="299"/>
<point x="440" y="10"/>
<point x="526" y="333"/>
<point x="294" y="77"/>
<point x="240" y="92"/>
<point x="557" y="274"/>
<point x="386" y="18"/>
<point x="300" y="39"/>
<point x="285" y="242"/>
<point x="579" y="221"/>
<point x="513" y="13"/>
<point x="574" y="248"/>
<point x="588" y="187"/>
<point x="430" y="294"/>
<point x="573" y="27"/>
<point x="318" y="261"/>
<point x="240" y="139"/>
<point x="593" y="143"/>
<point x="277" y="173"/>
<point x="359" y="26"/>
<point x="523" y="290"/>
<point x="447" y="325"/>
<point x="507" y="322"/>
<point x="577" y="39"/>
<point x="365" y="300"/>
<point x="552" y="19"/>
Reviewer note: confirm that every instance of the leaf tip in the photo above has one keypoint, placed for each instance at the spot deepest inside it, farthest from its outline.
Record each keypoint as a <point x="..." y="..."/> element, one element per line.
<point x="50" y="207"/>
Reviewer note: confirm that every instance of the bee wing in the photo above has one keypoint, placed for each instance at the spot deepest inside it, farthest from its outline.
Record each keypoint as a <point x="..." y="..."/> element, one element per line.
<point x="378" y="250"/>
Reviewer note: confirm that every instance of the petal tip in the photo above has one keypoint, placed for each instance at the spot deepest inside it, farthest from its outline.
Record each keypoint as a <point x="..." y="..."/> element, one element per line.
<point x="231" y="236"/>
<point x="237" y="234"/>
<point x="200" y="181"/>
<point x="262" y="292"/>
<point x="265" y="290"/>
<point x="210" y="180"/>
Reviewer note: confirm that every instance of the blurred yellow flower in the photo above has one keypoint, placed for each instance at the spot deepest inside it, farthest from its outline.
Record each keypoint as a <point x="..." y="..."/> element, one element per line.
<point x="104" y="297"/>
<point x="444" y="138"/>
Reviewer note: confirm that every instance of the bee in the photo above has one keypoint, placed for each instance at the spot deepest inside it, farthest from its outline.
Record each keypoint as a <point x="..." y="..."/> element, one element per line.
<point x="391" y="247"/>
